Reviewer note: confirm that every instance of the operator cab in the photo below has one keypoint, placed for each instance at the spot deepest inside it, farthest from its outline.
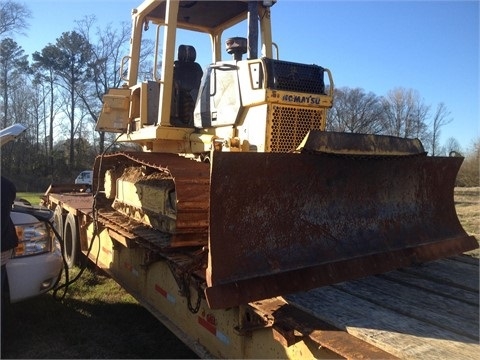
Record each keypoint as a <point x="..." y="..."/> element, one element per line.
<point x="168" y="97"/>
<point x="250" y="102"/>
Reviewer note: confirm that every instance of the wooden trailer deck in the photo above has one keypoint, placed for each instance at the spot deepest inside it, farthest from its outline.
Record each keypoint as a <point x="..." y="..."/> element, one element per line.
<point x="430" y="311"/>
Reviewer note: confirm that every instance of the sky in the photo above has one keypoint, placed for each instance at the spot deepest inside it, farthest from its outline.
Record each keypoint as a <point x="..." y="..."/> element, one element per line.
<point x="431" y="46"/>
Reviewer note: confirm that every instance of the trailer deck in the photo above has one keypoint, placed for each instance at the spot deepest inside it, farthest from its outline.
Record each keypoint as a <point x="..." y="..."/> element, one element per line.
<point x="427" y="311"/>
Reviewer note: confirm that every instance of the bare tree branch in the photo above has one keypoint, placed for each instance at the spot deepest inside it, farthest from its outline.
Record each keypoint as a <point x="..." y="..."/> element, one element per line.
<point x="13" y="17"/>
<point x="440" y="119"/>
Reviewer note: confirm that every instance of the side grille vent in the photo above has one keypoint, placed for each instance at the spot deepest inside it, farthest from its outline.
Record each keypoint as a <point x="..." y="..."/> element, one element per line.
<point x="290" y="125"/>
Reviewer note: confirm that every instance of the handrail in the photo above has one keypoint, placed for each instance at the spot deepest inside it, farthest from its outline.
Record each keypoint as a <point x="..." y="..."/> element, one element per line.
<point x="125" y="59"/>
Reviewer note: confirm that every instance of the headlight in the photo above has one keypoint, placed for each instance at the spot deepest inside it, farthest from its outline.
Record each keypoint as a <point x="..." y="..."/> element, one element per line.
<point x="33" y="239"/>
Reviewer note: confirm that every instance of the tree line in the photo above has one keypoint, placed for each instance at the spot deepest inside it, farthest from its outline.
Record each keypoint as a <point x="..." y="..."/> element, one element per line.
<point x="60" y="89"/>
<point x="402" y="113"/>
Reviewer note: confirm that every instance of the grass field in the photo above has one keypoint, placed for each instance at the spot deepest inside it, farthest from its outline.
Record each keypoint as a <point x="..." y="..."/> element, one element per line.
<point x="33" y="198"/>
<point x="467" y="204"/>
<point x="97" y="319"/>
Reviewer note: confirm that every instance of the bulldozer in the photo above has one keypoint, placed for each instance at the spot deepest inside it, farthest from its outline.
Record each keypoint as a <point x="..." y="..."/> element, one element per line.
<point x="234" y="162"/>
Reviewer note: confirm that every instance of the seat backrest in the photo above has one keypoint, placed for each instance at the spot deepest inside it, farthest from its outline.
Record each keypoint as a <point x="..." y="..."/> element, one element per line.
<point x="186" y="71"/>
<point x="187" y="76"/>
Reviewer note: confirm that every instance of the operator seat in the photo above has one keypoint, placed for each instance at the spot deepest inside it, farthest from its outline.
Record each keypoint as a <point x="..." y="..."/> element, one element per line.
<point x="187" y="75"/>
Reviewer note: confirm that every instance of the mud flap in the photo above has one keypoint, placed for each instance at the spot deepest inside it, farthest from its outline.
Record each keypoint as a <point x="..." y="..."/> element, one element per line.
<point x="282" y="223"/>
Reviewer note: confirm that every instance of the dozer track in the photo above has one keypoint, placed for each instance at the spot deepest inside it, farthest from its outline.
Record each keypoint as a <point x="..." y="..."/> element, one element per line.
<point x="191" y="182"/>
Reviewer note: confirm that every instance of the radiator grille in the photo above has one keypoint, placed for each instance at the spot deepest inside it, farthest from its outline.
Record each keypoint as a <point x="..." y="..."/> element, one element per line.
<point x="290" y="125"/>
<point x="289" y="76"/>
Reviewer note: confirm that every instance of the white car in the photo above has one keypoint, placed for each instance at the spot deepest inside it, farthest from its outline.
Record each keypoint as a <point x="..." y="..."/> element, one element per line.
<point x="85" y="178"/>
<point x="37" y="260"/>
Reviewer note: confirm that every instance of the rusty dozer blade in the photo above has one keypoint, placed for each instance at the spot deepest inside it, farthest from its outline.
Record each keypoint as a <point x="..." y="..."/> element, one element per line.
<point x="288" y="222"/>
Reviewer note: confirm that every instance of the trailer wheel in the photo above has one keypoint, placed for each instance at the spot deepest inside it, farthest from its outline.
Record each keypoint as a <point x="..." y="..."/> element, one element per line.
<point x="58" y="219"/>
<point x="71" y="241"/>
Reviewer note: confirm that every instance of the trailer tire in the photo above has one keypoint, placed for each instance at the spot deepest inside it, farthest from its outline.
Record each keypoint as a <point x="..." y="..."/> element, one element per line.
<point x="58" y="219"/>
<point x="71" y="241"/>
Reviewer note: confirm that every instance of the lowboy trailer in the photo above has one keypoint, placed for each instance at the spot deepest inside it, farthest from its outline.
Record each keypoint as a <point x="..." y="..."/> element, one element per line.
<point x="428" y="311"/>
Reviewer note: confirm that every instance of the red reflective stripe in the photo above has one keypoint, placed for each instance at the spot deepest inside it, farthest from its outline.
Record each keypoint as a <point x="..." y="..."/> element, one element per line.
<point x="210" y="327"/>
<point x="160" y="290"/>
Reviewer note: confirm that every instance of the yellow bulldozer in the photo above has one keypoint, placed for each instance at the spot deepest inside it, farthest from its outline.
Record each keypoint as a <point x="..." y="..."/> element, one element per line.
<point x="235" y="164"/>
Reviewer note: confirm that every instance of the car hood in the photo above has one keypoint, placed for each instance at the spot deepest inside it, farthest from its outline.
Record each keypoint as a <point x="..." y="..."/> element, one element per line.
<point x="10" y="133"/>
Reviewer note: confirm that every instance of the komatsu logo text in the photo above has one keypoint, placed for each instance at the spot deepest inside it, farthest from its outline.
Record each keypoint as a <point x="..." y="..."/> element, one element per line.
<point x="298" y="99"/>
